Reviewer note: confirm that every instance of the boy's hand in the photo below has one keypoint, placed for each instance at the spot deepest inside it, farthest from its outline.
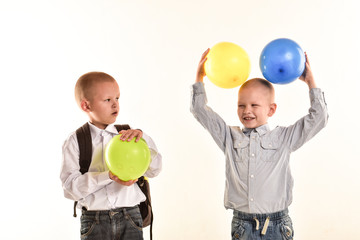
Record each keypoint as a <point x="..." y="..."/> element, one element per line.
<point x="307" y="75"/>
<point x="130" y="134"/>
<point x="201" y="71"/>
<point x="116" y="179"/>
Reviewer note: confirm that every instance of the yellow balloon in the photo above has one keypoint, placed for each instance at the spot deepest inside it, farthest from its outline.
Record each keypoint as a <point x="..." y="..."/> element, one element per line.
<point x="227" y="65"/>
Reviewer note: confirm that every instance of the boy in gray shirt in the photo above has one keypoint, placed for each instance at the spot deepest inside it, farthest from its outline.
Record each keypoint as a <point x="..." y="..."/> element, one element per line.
<point x="258" y="178"/>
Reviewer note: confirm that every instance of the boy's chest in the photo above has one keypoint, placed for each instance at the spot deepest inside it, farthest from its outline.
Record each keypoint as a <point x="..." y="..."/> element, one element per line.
<point x="256" y="148"/>
<point x="98" y="156"/>
<point x="257" y="159"/>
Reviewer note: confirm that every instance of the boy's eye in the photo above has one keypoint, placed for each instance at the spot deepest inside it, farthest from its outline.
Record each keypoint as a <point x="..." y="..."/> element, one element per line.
<point x="107" y="100"/>
<point x="241" y="106"/>
<point x="255" y="105"/>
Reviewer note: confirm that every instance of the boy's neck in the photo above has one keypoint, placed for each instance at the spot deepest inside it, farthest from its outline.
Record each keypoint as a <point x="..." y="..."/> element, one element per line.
<point x="100" y="126"/>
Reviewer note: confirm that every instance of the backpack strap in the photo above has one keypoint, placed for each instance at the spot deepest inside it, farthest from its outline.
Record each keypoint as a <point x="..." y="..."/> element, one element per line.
<point x="85" y="147"/>
<point x="122" y="127"/>
<point x="83" y="136"/>
<point x="145" y="207"/>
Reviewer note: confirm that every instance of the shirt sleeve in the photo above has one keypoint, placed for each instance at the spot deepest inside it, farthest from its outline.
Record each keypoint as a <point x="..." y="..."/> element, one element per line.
<point x="209" y="119"/>
<point x="77" y="186"/>
<point x="308" y="126"/>
<point x="156" y="158"/>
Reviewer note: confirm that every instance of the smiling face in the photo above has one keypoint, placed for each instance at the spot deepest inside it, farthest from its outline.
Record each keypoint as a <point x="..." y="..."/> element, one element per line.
<point x="103" y="105"/>
<point x="255" y="103"/>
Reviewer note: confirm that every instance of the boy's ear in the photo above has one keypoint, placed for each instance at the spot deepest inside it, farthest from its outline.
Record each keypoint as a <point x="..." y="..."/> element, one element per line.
<point x="273" y="107"/>
<point x="85" y="105"/>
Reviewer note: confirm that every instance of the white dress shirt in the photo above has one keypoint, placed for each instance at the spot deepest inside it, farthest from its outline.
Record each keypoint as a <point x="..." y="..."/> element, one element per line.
<point x="94" y="190"/>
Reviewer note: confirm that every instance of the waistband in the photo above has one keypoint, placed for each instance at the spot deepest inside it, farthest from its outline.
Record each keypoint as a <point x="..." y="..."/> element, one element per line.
<point x="261" y="217"/>
<point x="108" y="212"/>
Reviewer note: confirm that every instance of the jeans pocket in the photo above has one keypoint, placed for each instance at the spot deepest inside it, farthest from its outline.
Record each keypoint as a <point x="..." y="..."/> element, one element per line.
<point x="87" y="226"/>
<point x="237" y="229"/>
<point x="135" y="220"/>
<point x="287" y="230"/>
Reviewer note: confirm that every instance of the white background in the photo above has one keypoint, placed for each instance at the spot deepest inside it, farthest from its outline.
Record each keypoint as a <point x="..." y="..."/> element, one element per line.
<point x="152" y="48"/>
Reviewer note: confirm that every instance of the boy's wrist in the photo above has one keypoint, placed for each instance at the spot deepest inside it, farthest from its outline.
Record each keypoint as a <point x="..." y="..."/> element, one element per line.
<point x="199" y="79"/>
<point x="312" y="85"/>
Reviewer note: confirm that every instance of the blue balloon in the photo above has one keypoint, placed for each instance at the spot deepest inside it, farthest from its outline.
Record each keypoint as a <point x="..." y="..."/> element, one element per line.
<point x="282" y="61"/>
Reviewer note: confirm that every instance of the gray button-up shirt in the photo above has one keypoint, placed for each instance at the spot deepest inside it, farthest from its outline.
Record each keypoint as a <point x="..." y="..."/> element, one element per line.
<point x="258" y="177"/>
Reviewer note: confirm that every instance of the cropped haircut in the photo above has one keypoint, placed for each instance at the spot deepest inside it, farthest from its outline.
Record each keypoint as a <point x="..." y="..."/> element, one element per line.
<point x="263" y="82"/>
<point x="86" y="82"/>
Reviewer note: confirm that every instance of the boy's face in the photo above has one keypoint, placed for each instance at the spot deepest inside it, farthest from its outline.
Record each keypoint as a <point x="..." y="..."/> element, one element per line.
<point x="103" y="106"/>
<point x="255" y="106"/>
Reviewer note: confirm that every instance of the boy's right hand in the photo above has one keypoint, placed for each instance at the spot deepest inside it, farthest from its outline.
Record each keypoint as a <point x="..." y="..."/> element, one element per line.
<point x="201" y="71"/>
<point x="116" y="179"/>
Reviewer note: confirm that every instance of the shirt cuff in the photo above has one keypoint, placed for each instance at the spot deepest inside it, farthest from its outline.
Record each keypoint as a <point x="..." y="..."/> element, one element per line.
<point x="198" y="87"/>
<point x="315" y="93"/>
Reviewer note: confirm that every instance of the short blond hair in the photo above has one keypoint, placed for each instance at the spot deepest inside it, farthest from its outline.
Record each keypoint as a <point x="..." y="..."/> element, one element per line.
<point x="262" y="82"/>
<point x="86" y="82"/>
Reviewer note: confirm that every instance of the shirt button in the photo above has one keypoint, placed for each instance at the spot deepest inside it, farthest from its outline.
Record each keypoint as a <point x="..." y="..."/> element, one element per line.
<point x="252" y="176"/>
<point x="252" y="155"/>
<point x="251" y="199"/>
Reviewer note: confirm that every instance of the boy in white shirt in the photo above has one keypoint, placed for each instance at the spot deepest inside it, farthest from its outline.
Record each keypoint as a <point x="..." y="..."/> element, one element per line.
<point x="109" y="205"/>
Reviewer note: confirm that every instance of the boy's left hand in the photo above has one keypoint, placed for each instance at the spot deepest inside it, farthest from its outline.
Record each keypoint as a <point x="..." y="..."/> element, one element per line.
<point x="130" y="134"/>
<point x="307" y="75"/>
<point x="125" y="183"/>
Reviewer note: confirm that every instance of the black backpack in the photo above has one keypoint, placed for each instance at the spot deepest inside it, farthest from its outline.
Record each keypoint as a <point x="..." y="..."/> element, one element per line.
<point x="85" y="147"/>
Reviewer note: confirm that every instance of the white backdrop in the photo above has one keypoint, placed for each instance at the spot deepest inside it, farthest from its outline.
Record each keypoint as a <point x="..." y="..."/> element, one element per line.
<point x="152" y="48"/>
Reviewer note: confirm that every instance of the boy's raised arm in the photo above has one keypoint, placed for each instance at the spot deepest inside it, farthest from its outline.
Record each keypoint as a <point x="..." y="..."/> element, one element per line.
<point x="209" y="119"/>
<point x="308" y="126"/>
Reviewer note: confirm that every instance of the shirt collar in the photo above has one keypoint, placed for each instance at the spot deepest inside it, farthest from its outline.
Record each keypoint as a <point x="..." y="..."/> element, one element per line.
<point x="95" y="131"/>
<point x="261" y="129"/>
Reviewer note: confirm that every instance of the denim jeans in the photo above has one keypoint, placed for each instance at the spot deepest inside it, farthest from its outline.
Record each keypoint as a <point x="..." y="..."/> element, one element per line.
<point x="120" y="224"/>
<point x="273" y="226"/>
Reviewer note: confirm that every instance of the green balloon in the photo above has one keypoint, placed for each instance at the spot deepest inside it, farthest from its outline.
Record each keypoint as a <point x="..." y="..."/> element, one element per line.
<point x="127" y="160"/>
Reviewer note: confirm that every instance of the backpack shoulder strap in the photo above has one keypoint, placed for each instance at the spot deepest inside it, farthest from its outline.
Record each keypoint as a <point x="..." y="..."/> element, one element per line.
<point x="85" y="147"/>
<point x="122" y="127"/>
<point x="83" y="136"/>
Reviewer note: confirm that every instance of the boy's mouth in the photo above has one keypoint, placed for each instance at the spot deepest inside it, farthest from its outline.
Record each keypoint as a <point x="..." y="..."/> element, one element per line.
<point x="248" y="118"/>
<point x="115" y="113"/>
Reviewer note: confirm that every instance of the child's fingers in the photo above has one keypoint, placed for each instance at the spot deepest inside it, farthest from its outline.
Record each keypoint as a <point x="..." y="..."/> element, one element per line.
<point x="137" y="134"/>
<point x="127" y="183"/>
<point x="205" y="53"/>
<point x="306" y="58"/>
<point x="123" y="135"/>
<point x="130" y="134"/>
<point x="202" y="61"/>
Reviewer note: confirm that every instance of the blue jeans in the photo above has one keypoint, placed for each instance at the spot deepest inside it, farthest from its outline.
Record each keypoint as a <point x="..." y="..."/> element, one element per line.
<point x="273" y="226"/>
<point x="121" y="224"/>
